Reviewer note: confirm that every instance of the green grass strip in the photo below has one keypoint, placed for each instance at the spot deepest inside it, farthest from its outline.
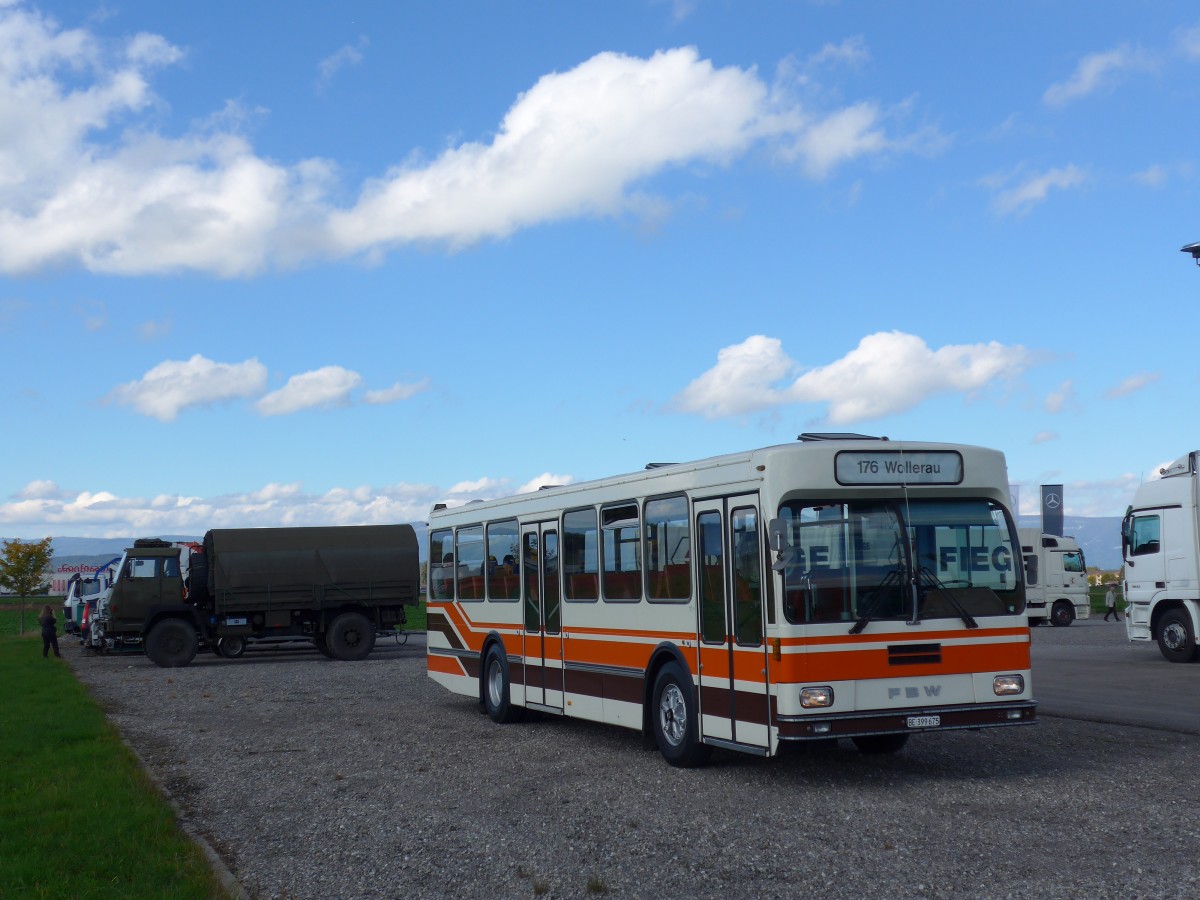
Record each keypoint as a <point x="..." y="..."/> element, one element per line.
<point x="78" y="816"/>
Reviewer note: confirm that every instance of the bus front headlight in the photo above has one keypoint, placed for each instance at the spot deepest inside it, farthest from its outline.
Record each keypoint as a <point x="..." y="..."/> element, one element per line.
<point x="1004" y="685"/>
<point x="814" y="697"/>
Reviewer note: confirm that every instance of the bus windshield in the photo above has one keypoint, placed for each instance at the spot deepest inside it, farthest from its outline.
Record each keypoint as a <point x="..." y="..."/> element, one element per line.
<point x="869" y="560"/>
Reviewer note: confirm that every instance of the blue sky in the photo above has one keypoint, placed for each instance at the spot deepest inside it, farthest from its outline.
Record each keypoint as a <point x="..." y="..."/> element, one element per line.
<point x="307" y="263"/>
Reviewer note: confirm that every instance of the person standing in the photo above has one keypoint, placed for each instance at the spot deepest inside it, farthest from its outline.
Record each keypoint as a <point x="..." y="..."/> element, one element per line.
<point x="1110" y="601"/>
<point x="49" y="631"/>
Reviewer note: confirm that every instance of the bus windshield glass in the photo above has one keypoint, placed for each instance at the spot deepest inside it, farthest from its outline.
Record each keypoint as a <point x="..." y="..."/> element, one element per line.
<point x="877" y="560"/>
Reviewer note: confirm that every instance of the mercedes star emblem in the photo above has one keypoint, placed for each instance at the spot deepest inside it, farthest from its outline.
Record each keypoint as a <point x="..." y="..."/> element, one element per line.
<point x="1053" y="501"/>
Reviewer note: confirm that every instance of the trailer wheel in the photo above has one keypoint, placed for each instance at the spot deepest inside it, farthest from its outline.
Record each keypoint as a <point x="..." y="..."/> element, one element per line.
<point x="676" y="727"/>
<point x="1175" y="637"/>
<point x="231" y="647"/>
<point x="350" y="636"/>
<point x="1062" y="614"/>
<point x="172" y="643"/>
<point x="880" y="743"/>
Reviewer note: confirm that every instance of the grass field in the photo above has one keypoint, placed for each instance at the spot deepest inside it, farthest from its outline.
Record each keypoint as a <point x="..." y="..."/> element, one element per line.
<point x="78" y="817"/>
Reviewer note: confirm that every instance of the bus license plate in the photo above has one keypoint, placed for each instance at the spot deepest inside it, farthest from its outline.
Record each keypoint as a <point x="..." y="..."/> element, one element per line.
<point x="924" y="721"/>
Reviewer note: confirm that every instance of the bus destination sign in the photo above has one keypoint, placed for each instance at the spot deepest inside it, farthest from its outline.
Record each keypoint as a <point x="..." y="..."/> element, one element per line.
<point x="896" y="467"/>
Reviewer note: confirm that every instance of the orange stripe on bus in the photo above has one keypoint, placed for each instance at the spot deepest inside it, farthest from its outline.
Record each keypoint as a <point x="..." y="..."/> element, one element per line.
<point x="447" y="665"/>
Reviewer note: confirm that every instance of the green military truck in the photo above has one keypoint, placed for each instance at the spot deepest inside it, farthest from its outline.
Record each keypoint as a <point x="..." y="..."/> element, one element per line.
<point x="335" y="586"/>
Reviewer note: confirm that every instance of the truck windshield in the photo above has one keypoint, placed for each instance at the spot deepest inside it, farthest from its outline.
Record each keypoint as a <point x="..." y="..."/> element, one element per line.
<point x="1072" y="561"/>
<point x="868" y="560"/>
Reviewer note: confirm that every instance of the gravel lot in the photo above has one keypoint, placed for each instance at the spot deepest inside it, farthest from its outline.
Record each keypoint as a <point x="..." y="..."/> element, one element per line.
<point x="316" y="779"/>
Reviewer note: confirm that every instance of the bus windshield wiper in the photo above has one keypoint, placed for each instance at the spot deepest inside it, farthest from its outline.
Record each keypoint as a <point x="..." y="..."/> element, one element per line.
<point x="932" y="581"/>
<point x="875" y="598"/>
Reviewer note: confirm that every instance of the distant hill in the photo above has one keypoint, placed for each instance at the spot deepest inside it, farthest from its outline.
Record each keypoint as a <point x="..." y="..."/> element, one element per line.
<point x="1099" y="537"/>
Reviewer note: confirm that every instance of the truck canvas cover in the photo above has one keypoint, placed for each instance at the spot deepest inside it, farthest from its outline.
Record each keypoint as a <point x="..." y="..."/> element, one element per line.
<point x="376" y="564"/>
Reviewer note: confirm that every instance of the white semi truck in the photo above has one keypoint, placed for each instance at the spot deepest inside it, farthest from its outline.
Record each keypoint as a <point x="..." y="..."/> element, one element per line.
<point x="1056" y="585"/>
<point x="1161" y="547"/>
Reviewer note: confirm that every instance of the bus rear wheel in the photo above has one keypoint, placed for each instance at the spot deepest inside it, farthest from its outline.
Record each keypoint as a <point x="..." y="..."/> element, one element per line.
<point x="673" y="711"/>
<point x="1176" y="640"/>
<point x="1063" y="613"/>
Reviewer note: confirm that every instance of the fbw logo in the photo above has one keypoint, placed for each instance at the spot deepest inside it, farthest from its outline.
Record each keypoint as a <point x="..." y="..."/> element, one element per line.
<point x="914" y="693"/>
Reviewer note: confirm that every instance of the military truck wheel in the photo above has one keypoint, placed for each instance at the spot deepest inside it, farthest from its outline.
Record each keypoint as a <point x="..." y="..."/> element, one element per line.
<point x="322" y="645"/>
<point x="1062" y="614"/>
<point x="1175" y="638"/>
<point x="172" y="643"/>
<point x="350" y="636"/>
<point x="880" y="743"/>
<point x="231" y="647"/>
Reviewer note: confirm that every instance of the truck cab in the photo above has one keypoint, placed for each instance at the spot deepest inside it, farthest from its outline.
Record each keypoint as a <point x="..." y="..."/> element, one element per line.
<point x="1161" y="549"/>
<point x="1056" y="585"/>
<point x="147" y="585"/>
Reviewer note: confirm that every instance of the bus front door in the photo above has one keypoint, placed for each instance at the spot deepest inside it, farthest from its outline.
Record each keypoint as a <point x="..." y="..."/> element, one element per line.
<point x="734" y="699"/>
<point x="541" y="595"/>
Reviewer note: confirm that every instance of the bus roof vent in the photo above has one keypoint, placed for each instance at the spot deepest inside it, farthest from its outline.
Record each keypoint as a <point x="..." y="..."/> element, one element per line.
<point x="548" y="487"/>
<point x="838" y="436"/>
<point x="438" y="506"/>
<point x="659" y="465"/>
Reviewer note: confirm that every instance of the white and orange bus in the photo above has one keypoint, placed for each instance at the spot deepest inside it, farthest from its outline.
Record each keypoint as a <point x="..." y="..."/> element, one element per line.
<point x="841" y="586"/>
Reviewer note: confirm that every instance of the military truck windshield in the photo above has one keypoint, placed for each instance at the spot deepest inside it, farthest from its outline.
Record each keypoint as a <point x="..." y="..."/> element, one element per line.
<point x="869" y="560"/>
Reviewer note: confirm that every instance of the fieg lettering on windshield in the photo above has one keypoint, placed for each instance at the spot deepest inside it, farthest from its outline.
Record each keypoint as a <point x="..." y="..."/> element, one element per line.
<point x="894" y="467"/>
<point x="974" y="559"/>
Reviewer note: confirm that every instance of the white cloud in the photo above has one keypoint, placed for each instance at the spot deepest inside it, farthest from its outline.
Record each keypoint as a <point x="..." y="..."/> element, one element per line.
<point x="839" y="137"/>
<point x="1132" y="384"/>
<point x="853" y="51"/>
<point x="87" y="181"/>
<point x="173" y="386"/>
<point x="398" y="391"/>
<point x="1043" y="437"/>
<point x="741" y="381"/>
<point x="1154" y="176"/>
<point x="546" y="479"/>
<point x="326" y="387"/>
<point x="153" y="331"/>
<point x="1096" y="71"/>
<point x="104" y="514"/>
<point x="1058" y="398"/>
<point x="348" y="55"/>
<point x="1033" y="189"/>
<point x="1188" y="41"/>
<point x="887" y="373"/>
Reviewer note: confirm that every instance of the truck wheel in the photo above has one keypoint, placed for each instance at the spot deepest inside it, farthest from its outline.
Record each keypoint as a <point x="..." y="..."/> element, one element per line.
<point x="880" y="743"/>
<point x="172" y="643"/>
<point x="673" y="712"/>
<point x="1175" y="637"/>
<point x="497" y="689"/>
<point x="322" y="645"/>
<point x="231" y="647"/>
<point x="1062" y="614"/>
<point x="350" y="636"/>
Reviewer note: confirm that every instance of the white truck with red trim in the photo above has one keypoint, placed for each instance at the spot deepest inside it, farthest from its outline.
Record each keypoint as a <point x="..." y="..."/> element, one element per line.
<point x="1160" y="543"/>
<point x="1056" y="585"/>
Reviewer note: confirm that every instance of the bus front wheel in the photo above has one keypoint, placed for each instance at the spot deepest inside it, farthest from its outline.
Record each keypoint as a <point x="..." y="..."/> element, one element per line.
<point x="497" y="689"/>
<point x="1175" y="637"/>
<point x="674" y="715"/>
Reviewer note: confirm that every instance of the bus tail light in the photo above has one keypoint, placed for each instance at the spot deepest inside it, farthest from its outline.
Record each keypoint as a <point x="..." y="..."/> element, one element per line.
<point x="814" y="697"/>
<point x="1003" y="685"/>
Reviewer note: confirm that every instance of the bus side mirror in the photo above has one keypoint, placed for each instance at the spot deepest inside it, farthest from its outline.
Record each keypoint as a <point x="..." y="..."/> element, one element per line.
<point x="778" y="531"/>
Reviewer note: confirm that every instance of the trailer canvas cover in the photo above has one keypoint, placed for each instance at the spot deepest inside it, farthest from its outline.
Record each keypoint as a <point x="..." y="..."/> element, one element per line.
<point x="367" y="557"/>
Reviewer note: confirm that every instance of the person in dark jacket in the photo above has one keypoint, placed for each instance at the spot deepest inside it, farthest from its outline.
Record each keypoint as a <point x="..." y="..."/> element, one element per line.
<point x="49" y="631"/>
